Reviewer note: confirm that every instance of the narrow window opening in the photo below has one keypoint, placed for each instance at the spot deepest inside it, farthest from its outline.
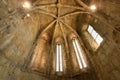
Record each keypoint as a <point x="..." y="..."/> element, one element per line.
<point x="79" y="54"/>
<point x="95" y="35"/>
<point x="90" y="29"/>
<point x="59" y="66"/>
<point x="57" y="58"/>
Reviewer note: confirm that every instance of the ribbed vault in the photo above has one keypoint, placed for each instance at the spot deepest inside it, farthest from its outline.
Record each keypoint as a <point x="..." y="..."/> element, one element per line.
<point x="58" y="24"/>
<point x="61" y="17"/>
<point x="29" y="37"/>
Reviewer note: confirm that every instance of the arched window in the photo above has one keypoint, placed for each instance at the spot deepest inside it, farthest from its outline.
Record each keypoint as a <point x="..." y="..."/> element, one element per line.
<point x="59" y="66"/>
<point x="79" y="54"/>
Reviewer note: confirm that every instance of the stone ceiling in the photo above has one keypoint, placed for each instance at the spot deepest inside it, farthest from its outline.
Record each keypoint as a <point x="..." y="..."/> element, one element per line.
<point x="50" y="21"/>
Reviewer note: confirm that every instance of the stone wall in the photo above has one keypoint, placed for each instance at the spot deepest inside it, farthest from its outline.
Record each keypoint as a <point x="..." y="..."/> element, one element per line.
<point x="106" y="58"/>
<point x="11" y="71"/>
<point x="18" y="34"/>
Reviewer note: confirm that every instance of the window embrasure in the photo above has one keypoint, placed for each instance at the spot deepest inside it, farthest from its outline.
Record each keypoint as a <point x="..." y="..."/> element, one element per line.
<point x="95" y="35"/>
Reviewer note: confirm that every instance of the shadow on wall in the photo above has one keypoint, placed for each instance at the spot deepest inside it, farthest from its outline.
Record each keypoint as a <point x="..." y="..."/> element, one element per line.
<point x="116" y="37"/>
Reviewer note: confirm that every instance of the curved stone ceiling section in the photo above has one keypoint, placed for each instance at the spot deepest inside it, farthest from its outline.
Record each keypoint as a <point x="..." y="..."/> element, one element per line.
<point x="60" y="30"/>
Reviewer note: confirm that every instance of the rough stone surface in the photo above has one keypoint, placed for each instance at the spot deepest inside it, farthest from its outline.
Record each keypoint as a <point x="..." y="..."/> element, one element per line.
<point x="22" y="38"/>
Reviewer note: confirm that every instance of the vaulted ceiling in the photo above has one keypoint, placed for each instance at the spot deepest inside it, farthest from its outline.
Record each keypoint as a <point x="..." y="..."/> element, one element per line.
<point x="50" y="22"/>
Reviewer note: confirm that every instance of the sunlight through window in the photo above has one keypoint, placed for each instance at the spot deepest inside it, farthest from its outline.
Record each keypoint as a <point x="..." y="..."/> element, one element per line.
<point x="95" y="35"/>
<point x="59" y="67"/>
<point x="79" y="54"/>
